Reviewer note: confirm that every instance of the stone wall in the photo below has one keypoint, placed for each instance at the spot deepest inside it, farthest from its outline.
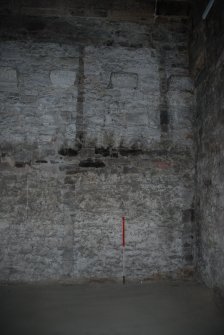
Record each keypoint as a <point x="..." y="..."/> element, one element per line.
<point x="207" y="58"/>
<point x="96" y="123"/>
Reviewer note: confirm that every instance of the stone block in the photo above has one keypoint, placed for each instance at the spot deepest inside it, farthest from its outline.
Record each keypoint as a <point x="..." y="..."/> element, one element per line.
<point x="63" y="78"/>
<point x="123" y="80"/>
<point x="181" y="83"/>
<point x="137" y="116"/>
<point x="8" y="79"/>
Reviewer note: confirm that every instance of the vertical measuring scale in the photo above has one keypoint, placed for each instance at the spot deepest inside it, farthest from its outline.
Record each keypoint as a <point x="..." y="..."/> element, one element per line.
<point x="123" y="248"/>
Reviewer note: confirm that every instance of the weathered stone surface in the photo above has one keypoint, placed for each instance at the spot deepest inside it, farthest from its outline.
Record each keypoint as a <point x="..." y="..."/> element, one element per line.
<point x="95" y="150"/>
<point x="45" y="112"/>
<point x="140" y="10"/>
<point x="8" y="79"/>
<point x="209" y="131"/>
<point x="62" y="78"/>
<point x="123" y="80"/>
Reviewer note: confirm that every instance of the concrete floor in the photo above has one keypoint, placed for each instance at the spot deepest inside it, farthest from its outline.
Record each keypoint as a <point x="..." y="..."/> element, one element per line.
<point x="169" y="308"/>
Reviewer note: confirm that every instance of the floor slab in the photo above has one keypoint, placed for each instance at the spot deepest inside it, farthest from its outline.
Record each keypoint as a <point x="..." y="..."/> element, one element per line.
<point x="156" y="308"/>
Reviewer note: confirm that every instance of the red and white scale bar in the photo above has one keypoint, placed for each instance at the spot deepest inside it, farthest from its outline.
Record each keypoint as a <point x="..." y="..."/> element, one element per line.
<point x="123" y="248"/>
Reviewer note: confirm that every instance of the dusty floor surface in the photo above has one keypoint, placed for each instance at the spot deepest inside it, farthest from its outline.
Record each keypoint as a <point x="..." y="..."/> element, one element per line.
<point x="165" y="308"/>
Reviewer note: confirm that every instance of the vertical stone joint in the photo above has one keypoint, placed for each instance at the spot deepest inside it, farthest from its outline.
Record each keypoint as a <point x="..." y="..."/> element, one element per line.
<point x="79" y="141"/>
<point x="163" y="86"/>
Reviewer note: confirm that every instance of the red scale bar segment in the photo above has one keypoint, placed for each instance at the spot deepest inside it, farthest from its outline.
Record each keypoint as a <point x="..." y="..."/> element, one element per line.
<point x="123" y="231"/>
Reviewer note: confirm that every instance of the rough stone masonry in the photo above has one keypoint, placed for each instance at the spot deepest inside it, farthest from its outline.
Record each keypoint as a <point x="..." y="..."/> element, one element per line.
<point x="207" y="59"/>
<point x="95" y="123"/>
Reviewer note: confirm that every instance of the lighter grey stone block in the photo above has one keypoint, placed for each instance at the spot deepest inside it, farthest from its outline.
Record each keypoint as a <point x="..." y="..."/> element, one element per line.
<point x="63" y="78"/>
<point x="181" y="83"/>
<point x="123" y="80"/>
<point x="8" y="79"/>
